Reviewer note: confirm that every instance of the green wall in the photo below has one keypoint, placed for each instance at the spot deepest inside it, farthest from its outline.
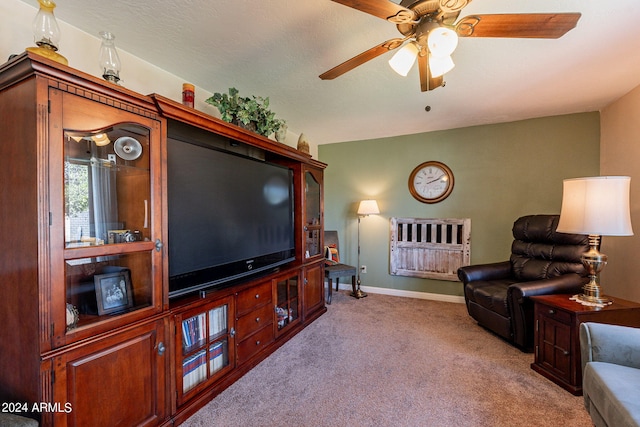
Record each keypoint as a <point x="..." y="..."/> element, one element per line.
<point x="501" y="172"/>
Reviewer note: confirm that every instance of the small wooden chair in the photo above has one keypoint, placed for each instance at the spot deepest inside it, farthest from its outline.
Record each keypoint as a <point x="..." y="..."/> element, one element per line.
<point x="337" y="270"/>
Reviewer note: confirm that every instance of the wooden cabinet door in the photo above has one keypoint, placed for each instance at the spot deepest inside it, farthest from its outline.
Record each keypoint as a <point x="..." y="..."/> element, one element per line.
<point x="553" y="347"/>
<point x="117" y="381"/>
<point x="313" y="289"/>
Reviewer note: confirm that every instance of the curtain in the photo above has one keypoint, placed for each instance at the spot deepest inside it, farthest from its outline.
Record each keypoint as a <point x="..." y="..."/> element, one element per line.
<point x="104" y="203"/>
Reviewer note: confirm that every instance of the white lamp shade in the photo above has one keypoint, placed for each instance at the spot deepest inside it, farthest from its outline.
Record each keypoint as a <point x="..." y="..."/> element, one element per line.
<point x="442" y="41"/>
<point x="404" y="59"/>
<point x="596" y="205"/>
<point x="368" y="207"/>
<point x="440" y="65"/>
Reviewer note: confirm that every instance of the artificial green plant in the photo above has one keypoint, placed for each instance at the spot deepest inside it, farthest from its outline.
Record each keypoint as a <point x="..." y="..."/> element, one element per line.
<point x="247" y="110"/>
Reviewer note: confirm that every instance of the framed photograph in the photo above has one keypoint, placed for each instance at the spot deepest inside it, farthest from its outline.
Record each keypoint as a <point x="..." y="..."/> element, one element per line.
<point x="113" y="292"/>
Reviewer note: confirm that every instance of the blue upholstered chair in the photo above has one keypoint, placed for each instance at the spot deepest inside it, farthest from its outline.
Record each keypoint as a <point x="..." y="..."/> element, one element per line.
<point x="610" y="356"/>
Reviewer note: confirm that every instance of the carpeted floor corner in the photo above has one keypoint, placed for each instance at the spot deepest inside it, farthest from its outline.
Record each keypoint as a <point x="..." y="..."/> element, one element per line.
<point x="391" y="361"/>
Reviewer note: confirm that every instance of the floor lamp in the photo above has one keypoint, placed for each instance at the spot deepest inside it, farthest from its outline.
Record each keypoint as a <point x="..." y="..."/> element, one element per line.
<point x="366" y="207"/>
<point x="595" y="206"/>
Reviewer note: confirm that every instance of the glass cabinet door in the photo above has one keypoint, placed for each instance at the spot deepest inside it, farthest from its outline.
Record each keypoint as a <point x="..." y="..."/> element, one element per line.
<point x="287" y="308"/>
<point x="207" y="335"/>
<point x="313" y="212"/>
<point x="107" y="187"/>
<point x="108" y="248"/>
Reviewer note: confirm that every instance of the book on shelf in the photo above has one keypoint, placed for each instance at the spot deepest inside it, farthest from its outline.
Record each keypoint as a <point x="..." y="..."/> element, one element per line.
<point x="217" y="321"/>
<point x="194" y="370"/>
<point x="193" y="331"/>
<point x="217" y="356"/>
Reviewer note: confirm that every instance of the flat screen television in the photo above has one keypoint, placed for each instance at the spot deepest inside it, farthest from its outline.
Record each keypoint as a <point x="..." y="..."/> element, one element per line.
<point x="229" y="216"/>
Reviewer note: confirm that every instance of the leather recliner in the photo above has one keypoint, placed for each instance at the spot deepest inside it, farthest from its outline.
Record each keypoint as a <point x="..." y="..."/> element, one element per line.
<point x="542" y="261"/>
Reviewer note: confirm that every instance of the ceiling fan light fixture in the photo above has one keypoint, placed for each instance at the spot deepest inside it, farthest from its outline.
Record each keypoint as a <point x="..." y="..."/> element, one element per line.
<point x="440" y="65"/>
<point x="404" y="59"/>
<point x="433" y="27"/>
<point x="442" y="41"/>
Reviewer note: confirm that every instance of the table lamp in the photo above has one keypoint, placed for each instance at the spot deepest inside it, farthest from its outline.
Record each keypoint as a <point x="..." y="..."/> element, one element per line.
<point x="596" y="206"/>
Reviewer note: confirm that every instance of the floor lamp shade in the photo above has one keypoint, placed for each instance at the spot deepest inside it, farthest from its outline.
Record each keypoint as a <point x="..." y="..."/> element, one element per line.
<point x="596" y="205"/>
<point x="368" y="207"/>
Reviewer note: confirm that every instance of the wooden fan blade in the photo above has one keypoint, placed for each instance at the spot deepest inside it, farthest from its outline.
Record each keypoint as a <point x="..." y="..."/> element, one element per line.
<point x="528" y="25"/>
<point x="361" y="59"/>
<point x="382" y="9"/>
<point x="426" y="81"/>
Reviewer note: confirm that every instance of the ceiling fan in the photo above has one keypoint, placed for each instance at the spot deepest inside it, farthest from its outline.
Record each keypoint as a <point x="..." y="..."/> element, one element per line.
<point x="431" y="33"/>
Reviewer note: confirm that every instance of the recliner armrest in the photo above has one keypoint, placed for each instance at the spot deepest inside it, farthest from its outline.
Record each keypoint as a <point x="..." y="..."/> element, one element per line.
<point x="600" y="342"/>
<point x="521" y="307"/>
<point x="565" y="284"/>
<point x="492" y="271"/>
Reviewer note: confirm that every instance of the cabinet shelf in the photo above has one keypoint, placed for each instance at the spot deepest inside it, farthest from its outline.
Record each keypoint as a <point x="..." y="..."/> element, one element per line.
<point x="109" y="165"/>
<point x="90" y="320"/>
<point x="93" y="251"/>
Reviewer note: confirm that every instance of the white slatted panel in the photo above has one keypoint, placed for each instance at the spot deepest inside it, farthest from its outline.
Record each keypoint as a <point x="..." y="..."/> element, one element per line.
<point x="430" y="248"/>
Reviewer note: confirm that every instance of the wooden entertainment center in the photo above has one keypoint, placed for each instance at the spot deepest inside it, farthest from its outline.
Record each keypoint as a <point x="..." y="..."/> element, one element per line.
<point x="89" y="335"/>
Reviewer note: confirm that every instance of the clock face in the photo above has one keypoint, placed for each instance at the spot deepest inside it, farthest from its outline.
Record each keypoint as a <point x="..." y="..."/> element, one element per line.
<point x="431" y="182"/>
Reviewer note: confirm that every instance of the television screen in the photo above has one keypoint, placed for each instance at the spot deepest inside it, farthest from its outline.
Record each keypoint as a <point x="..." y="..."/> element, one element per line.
<point x="229" y="216"/>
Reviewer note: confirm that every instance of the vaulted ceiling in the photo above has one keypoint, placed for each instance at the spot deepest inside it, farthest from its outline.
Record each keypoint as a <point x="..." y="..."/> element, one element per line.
<point x="278" y="48"/>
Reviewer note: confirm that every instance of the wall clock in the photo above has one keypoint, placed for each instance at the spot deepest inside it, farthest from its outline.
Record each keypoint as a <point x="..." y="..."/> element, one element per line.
<point x="431" y="182"/>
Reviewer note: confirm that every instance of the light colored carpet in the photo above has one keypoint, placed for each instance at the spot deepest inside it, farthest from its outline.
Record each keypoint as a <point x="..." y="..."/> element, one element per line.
<point x="391" y="361"/>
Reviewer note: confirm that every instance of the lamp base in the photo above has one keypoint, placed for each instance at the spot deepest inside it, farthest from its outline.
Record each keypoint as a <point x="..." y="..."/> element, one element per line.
<point x="49" y="54"/>
<point x="358" y="294"/>
<point x="591" y="300"/>
<point x="593" y="261"/>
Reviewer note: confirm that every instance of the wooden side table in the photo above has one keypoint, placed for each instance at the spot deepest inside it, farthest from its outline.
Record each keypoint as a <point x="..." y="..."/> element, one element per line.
<point x="557" y="339"/>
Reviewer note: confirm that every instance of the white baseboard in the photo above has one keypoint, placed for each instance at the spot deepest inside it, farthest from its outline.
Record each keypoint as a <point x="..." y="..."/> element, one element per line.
<point x="406" y="294"/>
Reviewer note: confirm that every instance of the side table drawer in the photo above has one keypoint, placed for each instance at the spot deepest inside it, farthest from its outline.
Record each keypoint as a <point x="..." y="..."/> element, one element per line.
<point x="555" y="314"/>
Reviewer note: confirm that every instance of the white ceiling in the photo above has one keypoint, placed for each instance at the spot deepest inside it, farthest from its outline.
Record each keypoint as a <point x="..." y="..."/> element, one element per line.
<point x="277" y="48"/>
